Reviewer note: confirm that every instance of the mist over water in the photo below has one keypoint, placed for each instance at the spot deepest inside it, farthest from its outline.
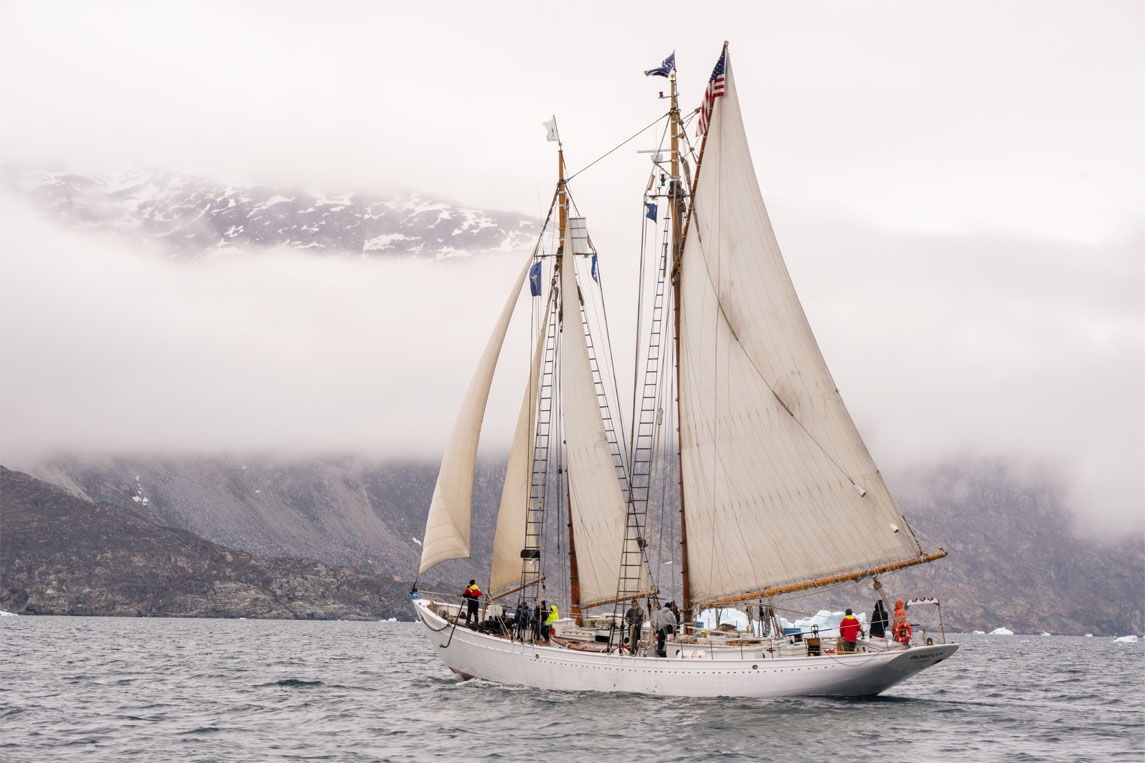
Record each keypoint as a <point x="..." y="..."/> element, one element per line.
<point x="221" y="690"/>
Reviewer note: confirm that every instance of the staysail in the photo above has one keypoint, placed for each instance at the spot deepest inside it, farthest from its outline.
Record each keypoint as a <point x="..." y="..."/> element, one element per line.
<point x="509" y="539"/>
<point x="447" y="526"/>
<point x="597" y="505"/>
<point x="778" y="485"/>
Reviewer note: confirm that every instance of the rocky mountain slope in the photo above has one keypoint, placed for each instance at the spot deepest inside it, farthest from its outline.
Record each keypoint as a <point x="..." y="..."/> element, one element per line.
<point x="63" y="555"/>
<point x="192" y="217"/>
<point x="1015" y="558"/>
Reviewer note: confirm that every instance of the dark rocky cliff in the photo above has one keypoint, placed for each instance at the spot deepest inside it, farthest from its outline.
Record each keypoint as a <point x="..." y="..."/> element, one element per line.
<point x="1016" y="557"/>
<point x="61" y="555"/>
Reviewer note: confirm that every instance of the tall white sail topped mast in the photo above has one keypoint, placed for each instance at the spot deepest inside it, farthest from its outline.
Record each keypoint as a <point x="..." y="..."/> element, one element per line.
<point x="777" y="483"/>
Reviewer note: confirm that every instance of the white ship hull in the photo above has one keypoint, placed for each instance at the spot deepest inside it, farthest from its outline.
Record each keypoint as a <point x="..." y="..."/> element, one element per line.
<point x="476" y="655"/>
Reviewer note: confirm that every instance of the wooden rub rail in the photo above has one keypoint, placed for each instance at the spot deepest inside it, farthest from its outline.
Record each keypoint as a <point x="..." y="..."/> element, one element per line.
<point x="820" y="582"/>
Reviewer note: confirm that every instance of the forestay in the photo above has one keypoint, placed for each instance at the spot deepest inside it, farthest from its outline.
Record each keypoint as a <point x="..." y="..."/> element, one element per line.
<point x="447" y="526"/>
<point x="778" y="485"/>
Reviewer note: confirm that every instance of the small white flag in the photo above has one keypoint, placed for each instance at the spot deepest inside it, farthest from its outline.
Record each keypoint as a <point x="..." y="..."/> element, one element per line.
<point x="551" y="129"/>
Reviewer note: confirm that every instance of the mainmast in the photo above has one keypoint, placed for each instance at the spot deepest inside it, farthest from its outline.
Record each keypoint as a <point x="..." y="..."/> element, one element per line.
<point x="676" y="195"/>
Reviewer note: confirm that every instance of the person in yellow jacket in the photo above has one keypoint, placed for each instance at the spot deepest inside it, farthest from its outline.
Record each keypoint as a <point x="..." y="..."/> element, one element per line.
<point x="552" y="618"/>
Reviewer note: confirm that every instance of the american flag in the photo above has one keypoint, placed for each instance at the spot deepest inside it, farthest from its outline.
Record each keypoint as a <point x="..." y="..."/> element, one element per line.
<point x="715" y="90"/>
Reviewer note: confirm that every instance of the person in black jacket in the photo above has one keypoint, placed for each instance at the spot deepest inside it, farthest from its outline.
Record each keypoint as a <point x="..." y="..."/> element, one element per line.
<point x="879" y="620"/>
<point x="521" y="620"/>
<point x="539" y="614"/>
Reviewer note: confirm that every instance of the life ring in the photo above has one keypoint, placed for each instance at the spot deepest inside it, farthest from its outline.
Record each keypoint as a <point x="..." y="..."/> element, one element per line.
<point x="902" y="633"/>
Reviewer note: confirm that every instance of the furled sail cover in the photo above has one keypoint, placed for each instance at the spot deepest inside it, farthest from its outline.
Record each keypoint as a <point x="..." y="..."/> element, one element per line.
<point x="773" y="467"/>
<point x="447" y="526"/>
<point x="598" y="508"/>
<point x="510" y="536"/>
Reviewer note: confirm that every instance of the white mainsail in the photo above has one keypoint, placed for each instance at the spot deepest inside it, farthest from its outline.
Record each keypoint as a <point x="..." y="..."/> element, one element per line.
<point x="509" y="539"/>
<point x="447" y="526"/>
<point x="778" y="485"/>
<point x="597" y="505"/>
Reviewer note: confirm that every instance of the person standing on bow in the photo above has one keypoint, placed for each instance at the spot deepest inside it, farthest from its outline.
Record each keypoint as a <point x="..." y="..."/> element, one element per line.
<point x="849" y="631"/>
<point x="472" y="596"/>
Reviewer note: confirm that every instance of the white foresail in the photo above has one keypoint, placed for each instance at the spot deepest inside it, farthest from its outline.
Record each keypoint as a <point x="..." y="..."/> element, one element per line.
<point x="447" y="526"/>
<point x="778" y="485"/>
<point x="598" y="508"/>
<point x="510" y="535"/>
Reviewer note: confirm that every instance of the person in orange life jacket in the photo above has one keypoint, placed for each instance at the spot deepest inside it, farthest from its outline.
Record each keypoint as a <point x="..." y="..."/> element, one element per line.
<point x="900" y="631"/>
<point x="849" y="631"/>
<point x="472" y="596"/>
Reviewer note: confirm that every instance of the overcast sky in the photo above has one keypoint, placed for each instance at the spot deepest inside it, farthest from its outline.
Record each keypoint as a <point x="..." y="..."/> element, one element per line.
<point x="959" y="190"/>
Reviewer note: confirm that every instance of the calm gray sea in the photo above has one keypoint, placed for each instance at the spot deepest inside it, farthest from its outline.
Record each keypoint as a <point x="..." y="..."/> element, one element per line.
<point x="239" y="690"/>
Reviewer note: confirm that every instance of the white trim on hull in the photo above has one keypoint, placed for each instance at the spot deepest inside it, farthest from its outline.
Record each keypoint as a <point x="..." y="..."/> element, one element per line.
<point x="477" y="655"/>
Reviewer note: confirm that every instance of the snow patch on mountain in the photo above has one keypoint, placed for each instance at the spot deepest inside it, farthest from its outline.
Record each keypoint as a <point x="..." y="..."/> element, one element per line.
<point x="193" y="217"/>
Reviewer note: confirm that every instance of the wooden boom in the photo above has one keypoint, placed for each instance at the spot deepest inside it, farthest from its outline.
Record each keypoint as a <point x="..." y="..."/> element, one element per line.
<point x="820" y="582"/>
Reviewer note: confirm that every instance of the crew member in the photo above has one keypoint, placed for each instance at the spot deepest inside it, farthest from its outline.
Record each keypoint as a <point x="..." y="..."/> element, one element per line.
<point x="879" y="620"/>
<point x="634" y="618"/>
<point x="665" y="623"/>
<point x="849" y="631"/>
<point x="552" y="618"/>
<point x="538" y="620"/>
<point x="521" y="619"/>
<point x="472" y="596"/>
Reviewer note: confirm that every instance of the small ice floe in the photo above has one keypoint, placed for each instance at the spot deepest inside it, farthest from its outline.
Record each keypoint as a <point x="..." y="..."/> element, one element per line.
<point x="1046" y="633"/>
<point x="391" y="619"/>
<point x="979" y="633"/>
<point x="7" y="614"/>
<point x="1089" y="635"/>
<point x="1001" y="632"/>
<point x="1131" y="639"/>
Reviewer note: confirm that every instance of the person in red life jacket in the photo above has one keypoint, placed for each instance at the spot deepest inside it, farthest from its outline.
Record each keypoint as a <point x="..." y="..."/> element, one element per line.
<point x="472" y="596"/>
<point x="849" y="631"/>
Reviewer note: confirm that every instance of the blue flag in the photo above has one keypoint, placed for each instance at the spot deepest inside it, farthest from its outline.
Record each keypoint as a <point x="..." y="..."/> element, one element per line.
<point x="535" y="279"/>
<point x="650" y="210"/>
<point x="595" y="275"/>
<point x="664" y="69"/>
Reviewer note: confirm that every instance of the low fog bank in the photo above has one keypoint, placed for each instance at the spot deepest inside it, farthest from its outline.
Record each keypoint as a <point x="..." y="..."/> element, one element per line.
<point x="945" y="349"/>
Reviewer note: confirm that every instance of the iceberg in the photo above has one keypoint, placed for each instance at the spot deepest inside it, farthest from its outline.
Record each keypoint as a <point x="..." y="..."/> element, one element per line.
<point x="7" y="614"/>
<point x="1089" y="635"/>
<point x="979" y="633"/>
<point x="826" y="620"/>
<point x="1001" y="632"/>
<point x="1131" y="639"/>
<point x="1046" y="633"/>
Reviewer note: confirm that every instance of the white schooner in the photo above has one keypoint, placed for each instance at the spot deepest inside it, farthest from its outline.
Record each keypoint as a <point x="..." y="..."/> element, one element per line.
<point x="741" y="480"/>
